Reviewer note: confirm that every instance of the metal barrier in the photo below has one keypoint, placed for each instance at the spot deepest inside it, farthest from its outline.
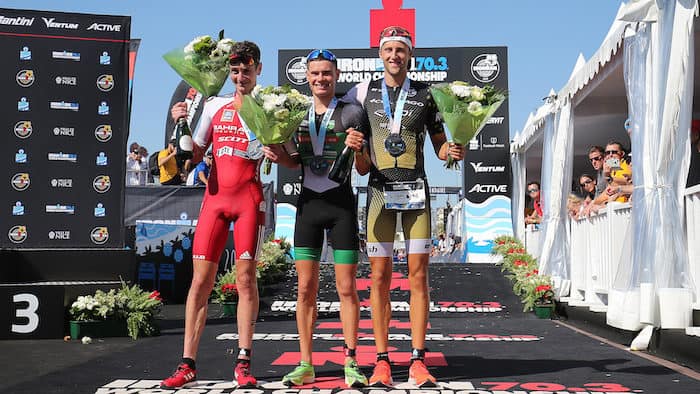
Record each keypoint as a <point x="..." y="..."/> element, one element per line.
<point x="597" y="245"/>
<point x="532" y="240"/>
<point x="139" y="178"/>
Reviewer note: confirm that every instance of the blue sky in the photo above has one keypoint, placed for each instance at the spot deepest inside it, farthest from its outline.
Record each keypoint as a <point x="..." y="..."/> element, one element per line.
<point x="544" y="38"/>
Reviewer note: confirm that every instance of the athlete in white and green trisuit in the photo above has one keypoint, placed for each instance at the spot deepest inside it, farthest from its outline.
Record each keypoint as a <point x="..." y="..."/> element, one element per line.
<point x="325" y="205"/>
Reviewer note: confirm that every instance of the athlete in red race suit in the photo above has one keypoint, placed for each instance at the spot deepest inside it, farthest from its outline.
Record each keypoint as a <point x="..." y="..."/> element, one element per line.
<point x="233" y="194"/>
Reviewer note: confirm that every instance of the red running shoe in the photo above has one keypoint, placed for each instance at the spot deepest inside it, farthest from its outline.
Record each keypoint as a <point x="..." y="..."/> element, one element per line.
<point x="418" y="374"/>
<point x="242" y="375"/>
<point x="381" y="376"/>
<point x="182" y="375"/>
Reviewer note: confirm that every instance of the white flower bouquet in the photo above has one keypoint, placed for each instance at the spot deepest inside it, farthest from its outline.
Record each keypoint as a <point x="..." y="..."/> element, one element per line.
<point x="203" y="63"/>
<point x="273" y="113"/>
<point x="465" y="109"/>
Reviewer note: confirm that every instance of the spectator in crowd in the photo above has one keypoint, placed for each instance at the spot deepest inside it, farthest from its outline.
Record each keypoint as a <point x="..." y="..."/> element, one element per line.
<point x="200" y="174"/>
<point x="574" y="205"/>
<point x="596" y="156"/>
<point x="587" y="185"/>
<point x="145" y="176"/>
<point x="694" y="170"/>
<point x="533" y="191"/>
<point x="619" y="173"/>
<point x="135" y="166"/>
<point x="442" y="244"/>
<point x="169" y="170"/>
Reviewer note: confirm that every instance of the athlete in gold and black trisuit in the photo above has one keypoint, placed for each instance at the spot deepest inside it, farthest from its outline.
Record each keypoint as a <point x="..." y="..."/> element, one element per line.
<point x="401" y="112"/>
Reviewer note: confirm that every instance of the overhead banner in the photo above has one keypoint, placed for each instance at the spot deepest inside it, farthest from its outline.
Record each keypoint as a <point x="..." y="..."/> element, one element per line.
<point x="64" y="110"/>
<point x="486" y="168"/>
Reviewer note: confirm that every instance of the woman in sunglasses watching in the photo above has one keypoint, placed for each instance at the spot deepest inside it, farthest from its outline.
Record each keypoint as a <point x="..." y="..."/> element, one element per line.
<point x="533" y="191"/>
<point x="325" y="205"/>
<point x="587" y="186"/>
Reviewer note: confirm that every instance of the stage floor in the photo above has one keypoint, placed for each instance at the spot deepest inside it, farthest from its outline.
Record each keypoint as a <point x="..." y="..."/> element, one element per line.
<point x="479" y="343"/>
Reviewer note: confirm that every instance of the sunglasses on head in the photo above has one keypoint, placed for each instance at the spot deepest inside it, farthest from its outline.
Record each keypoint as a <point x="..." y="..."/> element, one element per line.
<point x="596" y="158"/>
<point x="237" y="58"/>
<point x="612" y="152"/>
<point x="323" y="54"/>
<point x="395" y="31"/>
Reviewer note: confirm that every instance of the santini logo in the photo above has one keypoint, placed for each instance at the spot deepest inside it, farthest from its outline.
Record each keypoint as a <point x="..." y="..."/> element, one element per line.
<point x="478" y="167"/>
<point x="479" y="188"/>
<point x="18" y="21"/>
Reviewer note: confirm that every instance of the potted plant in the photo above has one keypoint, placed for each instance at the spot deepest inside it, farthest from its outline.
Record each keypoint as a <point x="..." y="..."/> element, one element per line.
<point x="226" y="292"/>
<point x="544" y="301"/>
<point x="274" y="261"/>
<point x="127" y="311"/>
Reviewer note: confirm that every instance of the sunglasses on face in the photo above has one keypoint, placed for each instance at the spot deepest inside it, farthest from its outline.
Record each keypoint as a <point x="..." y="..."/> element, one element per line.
<point x="612" y="152"/>
<point x="597" y="158"/>
<point x="532" y="190"/>
<point x="586" y="183"/>
<point x="323" y="54"/>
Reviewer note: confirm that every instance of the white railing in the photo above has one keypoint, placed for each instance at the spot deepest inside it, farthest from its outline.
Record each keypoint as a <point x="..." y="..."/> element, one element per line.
<point x="532" y="240"/>
<point x="692" y="230"/>
<point x="596" y="249"/>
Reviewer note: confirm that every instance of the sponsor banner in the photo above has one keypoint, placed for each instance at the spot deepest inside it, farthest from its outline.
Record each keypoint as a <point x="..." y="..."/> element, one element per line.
<point x="397" y="306"/>
<point x="329" y="383"/>
<point x="476" y="65"/>
<point x="66" y="106"/>
<point x="362" y="336"/>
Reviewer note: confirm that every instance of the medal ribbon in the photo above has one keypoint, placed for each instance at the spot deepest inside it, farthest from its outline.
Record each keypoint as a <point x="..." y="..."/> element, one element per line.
<point x="395" y="124"/>
<point x="246" y="129"/>
<point x="318" y="140"/>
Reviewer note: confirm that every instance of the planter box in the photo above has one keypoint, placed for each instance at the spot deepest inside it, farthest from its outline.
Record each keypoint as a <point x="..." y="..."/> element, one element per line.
<point x="544" y="311"/>
<point x="98" y="329"/>
<point x="228" y="309"/>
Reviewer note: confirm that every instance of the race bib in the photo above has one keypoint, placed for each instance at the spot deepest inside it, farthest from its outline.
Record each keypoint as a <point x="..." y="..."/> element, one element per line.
<point x="404" y="196"/>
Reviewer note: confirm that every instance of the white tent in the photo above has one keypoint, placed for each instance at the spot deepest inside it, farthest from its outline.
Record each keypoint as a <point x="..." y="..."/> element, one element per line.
<point x="655" y="70"/>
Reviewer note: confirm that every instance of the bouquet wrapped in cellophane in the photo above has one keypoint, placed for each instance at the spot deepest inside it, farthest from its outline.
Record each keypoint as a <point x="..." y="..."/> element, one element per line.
<point x="203" y="63"/>
<point x="273" y="113"/>
<point x="465" y="109"/>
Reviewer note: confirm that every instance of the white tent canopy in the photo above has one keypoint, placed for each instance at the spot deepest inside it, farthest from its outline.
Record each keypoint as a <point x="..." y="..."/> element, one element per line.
<point x="595" y="106"/>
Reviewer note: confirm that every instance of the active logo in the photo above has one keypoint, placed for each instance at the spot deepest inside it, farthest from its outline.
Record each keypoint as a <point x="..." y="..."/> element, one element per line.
<point x="479" y="188"/>
<point x="21" y="181"/>
<point x="99" y="235"/>
<point x="485" y="67"/>
<point x="25" y="78"/>
<point x="18" y="234"/>
<point x="102" y="183"/>
<point x="104" y="27"/>
<point x="105" y="82"/>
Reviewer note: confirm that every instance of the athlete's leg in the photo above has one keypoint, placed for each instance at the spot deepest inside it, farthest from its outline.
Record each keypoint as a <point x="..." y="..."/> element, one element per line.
<point x="248" y="301"/>
<point x="349" y="301"/>
<point x="306" y="314"/>
<point x="420" y="298"/>
<point x="203" y="277"/>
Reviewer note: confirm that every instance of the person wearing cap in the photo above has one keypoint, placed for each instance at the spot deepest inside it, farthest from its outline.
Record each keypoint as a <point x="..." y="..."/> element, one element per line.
<point x="323" y="205"/>
<point x="167" y="162"/>
<point x="201" y="171"/>
<point x="233" y="194"/>
<point x="401" y="113"/>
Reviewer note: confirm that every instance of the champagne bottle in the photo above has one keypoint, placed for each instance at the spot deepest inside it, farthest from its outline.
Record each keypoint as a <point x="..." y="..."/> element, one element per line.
<point x="342" y="166"/>
<point x="183" y="135"/>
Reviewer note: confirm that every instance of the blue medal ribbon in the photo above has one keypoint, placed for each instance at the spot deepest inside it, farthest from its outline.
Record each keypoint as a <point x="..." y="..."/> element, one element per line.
<point x="395" y="122"/>
<point x="318" y="140"/>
